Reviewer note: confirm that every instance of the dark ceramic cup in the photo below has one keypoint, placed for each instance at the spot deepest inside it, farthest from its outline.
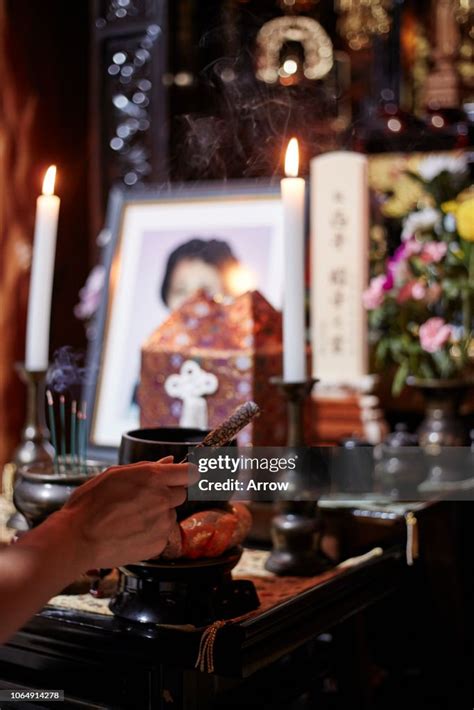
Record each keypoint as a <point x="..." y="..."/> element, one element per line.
<point x="154" y="444"/>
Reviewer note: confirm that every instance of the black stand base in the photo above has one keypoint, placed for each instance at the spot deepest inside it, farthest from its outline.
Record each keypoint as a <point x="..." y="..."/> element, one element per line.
<point x="187" y="592"/>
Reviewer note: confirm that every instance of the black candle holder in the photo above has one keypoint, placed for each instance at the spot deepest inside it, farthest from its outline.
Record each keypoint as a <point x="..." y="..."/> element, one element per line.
<point x="295" y="529"/>
<point x="296" y="394"/>
<point x="34" y="447"/>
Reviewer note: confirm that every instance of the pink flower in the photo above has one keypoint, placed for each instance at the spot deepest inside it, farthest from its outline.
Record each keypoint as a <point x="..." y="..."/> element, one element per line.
<point x="389" y="282"/>
<point x="414" y="290"/>
<point x="433" y="252"/>
<point x="434" y="333"/>
<point x="412" y="247"/>
<point x="398" y="271"/>
<point x="397" y="268"/>
<point x="418" y="291"/>
<point x="373" y="296"/>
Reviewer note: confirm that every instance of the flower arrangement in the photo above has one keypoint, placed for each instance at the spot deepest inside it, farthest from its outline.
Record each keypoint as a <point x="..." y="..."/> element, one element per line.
<point x="421" y="298"/>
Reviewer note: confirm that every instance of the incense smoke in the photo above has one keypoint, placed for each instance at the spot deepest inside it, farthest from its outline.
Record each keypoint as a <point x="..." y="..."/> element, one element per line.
<point x="243" y="124"/>
<point x="68" y="373"/>
<point x="250" y="125"/>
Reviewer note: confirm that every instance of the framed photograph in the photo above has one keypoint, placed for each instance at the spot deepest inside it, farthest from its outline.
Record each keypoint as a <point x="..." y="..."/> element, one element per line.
<point x="162" y="246"/>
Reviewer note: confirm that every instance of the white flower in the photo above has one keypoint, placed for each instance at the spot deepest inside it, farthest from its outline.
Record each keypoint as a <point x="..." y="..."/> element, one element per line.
<point x="433" y="165"/>
<point x="420" y="221"/>
<point x="450" y="223"/>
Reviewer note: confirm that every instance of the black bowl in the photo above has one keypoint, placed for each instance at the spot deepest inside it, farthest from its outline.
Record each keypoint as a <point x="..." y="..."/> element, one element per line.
<point x="154" y="444"/>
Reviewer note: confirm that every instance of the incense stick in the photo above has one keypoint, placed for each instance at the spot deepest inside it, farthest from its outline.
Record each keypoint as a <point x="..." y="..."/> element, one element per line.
<point x="71" y="454"/>
<point x="52" y="427"/>
<point x="62" y="418"/>
<point x="84" y="436"/>
<point x="230" y="427"/>
<point x="73" y="431"/>
<point x="79" y="439"/>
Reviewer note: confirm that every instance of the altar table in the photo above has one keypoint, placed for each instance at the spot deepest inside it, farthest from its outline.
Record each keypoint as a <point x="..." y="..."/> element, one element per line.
<point x="101" y="662"/>
<point x="289" y="654"/>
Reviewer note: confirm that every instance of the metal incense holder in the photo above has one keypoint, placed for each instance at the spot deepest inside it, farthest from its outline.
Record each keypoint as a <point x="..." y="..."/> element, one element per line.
<point x="34" y="447"/>
<point x="295" y="529"/>
<point x="41" y="491"/>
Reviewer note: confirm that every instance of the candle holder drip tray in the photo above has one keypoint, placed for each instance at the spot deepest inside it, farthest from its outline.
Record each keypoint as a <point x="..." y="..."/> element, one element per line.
<point x="180" y="592"/>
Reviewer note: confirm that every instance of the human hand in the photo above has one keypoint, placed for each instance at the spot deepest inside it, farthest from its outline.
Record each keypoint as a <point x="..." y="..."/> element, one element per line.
<point x="127" y="513"/>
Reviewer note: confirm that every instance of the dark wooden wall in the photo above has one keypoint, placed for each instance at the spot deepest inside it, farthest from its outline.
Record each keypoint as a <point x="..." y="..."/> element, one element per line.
<point x="43" y="119"/>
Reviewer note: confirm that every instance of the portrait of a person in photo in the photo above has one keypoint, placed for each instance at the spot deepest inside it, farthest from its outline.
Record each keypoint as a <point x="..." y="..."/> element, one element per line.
<point x="200" y="264"/>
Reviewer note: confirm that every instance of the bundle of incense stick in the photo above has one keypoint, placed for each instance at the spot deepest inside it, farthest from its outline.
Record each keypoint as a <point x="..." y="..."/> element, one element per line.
<point x="70" y="447"/>
<point x="230" y="427"/>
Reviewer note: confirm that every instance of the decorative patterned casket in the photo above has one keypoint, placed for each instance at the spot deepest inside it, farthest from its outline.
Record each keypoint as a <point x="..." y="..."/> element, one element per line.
<point x="239" y="343"/>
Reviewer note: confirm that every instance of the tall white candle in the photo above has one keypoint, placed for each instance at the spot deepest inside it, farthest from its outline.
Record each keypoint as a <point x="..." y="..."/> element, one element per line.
<point x="42" y="272"/>
<point x="294" y="340"/>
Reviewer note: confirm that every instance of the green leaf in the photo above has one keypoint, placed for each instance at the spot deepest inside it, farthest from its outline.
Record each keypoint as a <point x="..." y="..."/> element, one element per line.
<point x="426" y="370"/>
<point x="414" y="348"/>
<point x="382" y="350"/>
<point x="396" y="346"/>
<point x="444" y="363"/>
<point x="450" y="288"/>
<point x="400" y="378"/>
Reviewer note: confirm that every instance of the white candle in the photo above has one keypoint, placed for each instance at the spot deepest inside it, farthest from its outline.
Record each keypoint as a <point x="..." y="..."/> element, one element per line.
<point x="294" y="339"/>
<point x="42" y="272"/>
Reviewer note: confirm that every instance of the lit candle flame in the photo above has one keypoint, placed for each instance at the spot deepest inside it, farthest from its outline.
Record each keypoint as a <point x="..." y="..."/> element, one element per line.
<point x="292" y="158"/>
<point x="49" y="180"/>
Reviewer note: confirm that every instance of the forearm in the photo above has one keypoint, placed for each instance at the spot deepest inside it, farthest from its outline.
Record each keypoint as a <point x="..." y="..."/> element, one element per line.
<point x="121" y="515"/>
<point x="42" y="563"/>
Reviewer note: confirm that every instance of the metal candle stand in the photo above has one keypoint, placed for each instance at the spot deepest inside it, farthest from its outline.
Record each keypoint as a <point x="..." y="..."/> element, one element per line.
<point x="34" y="446"/>
<point x="295" y="529"/>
